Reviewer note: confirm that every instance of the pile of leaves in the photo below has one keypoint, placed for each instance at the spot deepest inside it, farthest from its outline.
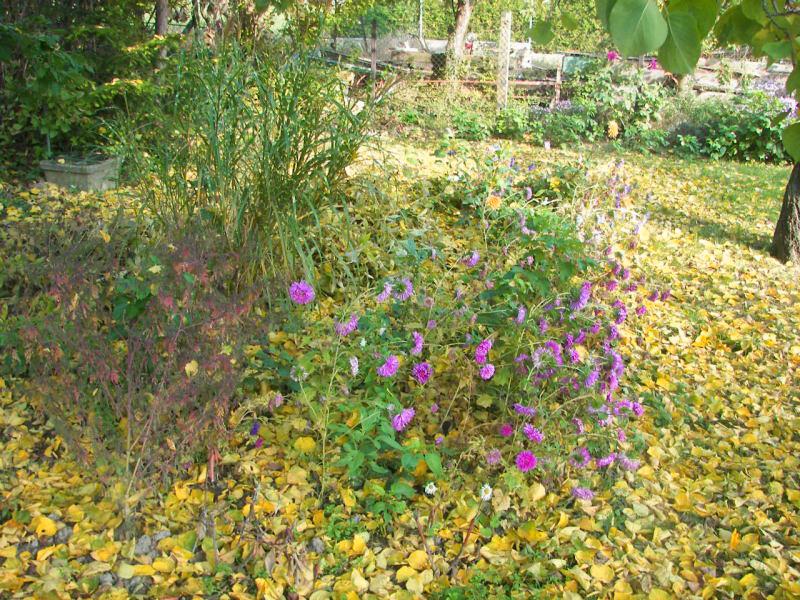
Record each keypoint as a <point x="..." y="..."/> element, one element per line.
<point x="710" y="511"/>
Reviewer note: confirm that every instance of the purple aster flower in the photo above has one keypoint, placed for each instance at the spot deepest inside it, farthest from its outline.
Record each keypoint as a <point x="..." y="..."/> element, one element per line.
<point x="259" y="442"/>
<point x="612" y="56"/>
<point x="653" y="296"/>
<point x="276" y="402"/>
<point x="482" y="351"/>
<point x="641" y="310"/>
<point x="354" y="366"/>
<point x="543" y="325"/>
<point x="532" y="433"/>
<point x="431" y="324"/>
<point x="595" y="328"/>
<point x="582" y="493"/>
<point x="402" y="419"/>
<point x="418" y="343"/>
<point x="526" y="461"/>
<point x="345" y="329"/>
<point x="301" y="292"/>
<point x="580" y="429"/>
<point x="583" y="298"/>
<point x="585" y="458"/>
<point x="522" y="312"/>
<point x="665" y="295"/>
<point x="637" y="409"/>
<point x="606" y="461"/>
<point x="626" y="274"/>
<point x="389" y="367"/>
<point x="472" y="259"/>
<point x="574" y="356"/>
<point x="528" y="193"/>
<point x="526" y="411"/>
<point x="581" y="337"/>
<point x="506" y="430"/>
<point x="422" y="372"/>
<point x="487" y="371"/>
<point x="493" y="457"/>
<point x="408" y="290"/>
<point x="621" y="437"/>
<point x="613" y="332"/>
<point x="384" y="295"/>
<point x="434" y="408"/>
<point x="254" y="429"/>
<point x="628" y="464"/>
<point x="592" y="379"/>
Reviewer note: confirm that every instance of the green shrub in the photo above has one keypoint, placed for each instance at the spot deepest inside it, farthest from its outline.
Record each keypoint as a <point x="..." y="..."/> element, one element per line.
<point x="254" y="144"/>
<point x="747" y="128"/>
<point x="512" y="122"/>
<point x="470" y="125"/>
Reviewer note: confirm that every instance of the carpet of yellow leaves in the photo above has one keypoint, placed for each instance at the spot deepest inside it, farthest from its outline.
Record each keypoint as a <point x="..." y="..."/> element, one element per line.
<point x="713" y="512"/>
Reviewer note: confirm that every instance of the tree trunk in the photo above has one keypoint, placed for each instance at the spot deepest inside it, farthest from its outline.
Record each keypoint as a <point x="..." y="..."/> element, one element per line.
<point x="463" y="14"/>
<point x="162" y="25"/>
<point x="786" y="239"/>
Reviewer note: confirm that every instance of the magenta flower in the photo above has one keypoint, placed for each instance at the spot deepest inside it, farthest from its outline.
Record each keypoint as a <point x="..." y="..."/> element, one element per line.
<point x="259" y="442"/>
<point x="422" y="372"/>
<point x="402" y="419"/>
<point x="431" y="324"/>
<point x="506" y="430"/>
<point x="482" y="351"/>
<point x="612" y="55"/>
<point x="522" y="312"/>
<point x="493" y="457"/>
<point x="439" y="439"/>
<point x="583" y="298"/>
<point x="473" y="259"/>
<point x="408" y="290"/>
<point x="628" y="464"/>
<point x="384" y="295"/>
<point x="389" y="367"/>
<point x="345" y="329"/>
<point x="580" y="429"/>
<point x="301" y="292"/>
<point x="487" y="371"/>
<point x="434" y="408"/>
<point x="605" y="461"/>
<point x="591" y="379"/>
<point x="532" y="433"/>
<point x="526" y="461"/>
<point x="418" y="343"/>
<point x="582" y="493"/>
<point x="653" y="64"/>
<point x="527" y="411"/>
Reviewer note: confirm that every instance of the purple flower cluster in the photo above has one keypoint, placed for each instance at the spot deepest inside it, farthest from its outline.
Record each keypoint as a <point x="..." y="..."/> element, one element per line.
<point x="403" y="419"/>
<point x="301" y="292"/>
<point x="346" y="328"/>
<point x="389" y="367"/>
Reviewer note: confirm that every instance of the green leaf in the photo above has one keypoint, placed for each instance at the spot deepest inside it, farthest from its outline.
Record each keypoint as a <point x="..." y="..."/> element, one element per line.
<point x="637" y="26"/>
<point x="791" y="141"/>
<point x="681" y="51"/>
<point x="434" y="464"/>
<point x="793" y="81"/>
<point x="568" y="21"/>
<point x="754" y="10"/>
<point x="542" y="33"/>
<point x="734" y="28"/>
<point x="401" y="489"/>
<point x="704" y="11"/>
<point x="604" y="8"/>
<point x="777" y="50"/>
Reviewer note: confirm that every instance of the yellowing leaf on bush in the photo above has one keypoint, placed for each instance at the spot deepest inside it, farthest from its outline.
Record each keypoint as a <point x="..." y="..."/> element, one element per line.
<point x="191" y="368"/>
<point x="305" y="444"/>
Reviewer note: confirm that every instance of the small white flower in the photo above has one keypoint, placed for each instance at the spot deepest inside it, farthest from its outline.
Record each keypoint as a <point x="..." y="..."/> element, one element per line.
<point x="354" y="365"/>
<point x="382" y="330"/>
<point x="486" y="492"/>
<point x="363" y="342"/>
<point x="430" y="489"/>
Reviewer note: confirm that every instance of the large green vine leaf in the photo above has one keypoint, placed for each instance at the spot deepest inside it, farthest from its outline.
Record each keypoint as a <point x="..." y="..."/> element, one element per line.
<point x="637" y="26"/>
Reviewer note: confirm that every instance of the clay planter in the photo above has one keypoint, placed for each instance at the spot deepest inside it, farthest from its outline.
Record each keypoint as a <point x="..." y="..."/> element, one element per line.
<point x="96" y="173"/>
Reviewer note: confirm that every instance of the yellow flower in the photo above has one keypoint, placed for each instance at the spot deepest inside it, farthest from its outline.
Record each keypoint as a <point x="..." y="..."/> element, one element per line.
<point x="494" y="202"/>
<point x="555" y="183"/>
<point x="613" y="130"/>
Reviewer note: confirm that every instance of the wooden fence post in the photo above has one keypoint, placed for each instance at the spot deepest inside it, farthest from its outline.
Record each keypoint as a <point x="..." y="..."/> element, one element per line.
<point x="503" y="59"/>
